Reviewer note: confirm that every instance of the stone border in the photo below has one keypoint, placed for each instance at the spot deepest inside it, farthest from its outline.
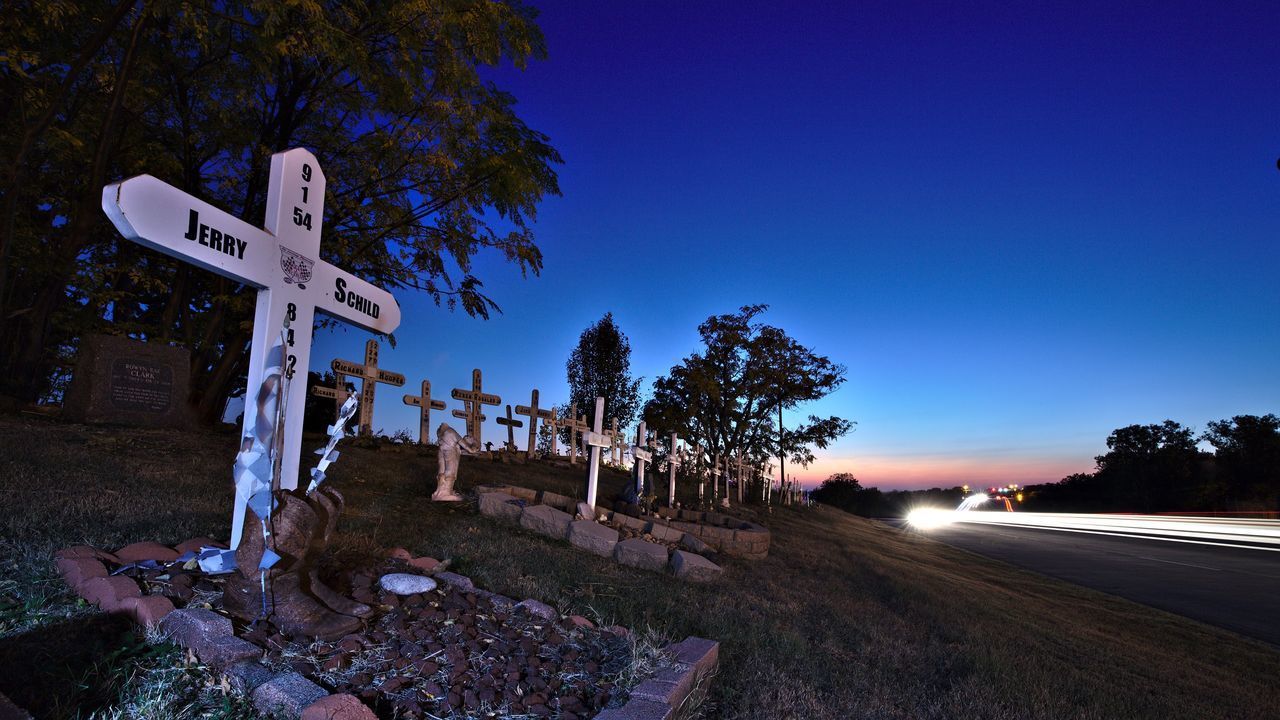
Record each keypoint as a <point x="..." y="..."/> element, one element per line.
<point x="542" y="513"/>
<point x="727" y="534"/>
<point x="211" y="638"/>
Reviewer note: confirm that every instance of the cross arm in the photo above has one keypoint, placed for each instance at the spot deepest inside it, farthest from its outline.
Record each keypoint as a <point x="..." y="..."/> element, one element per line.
<point x="162" y="217"/>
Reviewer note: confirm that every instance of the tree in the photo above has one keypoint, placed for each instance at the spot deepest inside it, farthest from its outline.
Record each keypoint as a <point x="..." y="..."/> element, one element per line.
<point x="600" y="366"/>
<point x="1248" y="458"/>
<point x="1148" y="467"/>
<point x="427" y="162"/>
<point x="728" y="395"/>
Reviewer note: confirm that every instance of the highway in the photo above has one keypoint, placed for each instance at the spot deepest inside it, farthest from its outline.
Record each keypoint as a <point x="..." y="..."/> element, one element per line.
<point x="1230" y="587"/>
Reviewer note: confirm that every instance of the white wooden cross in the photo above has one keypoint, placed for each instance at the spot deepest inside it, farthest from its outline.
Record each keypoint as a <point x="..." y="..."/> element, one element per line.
<point x="715" y="482"/>
<point x="511" y="424"/>
<point x="338" y="393"/>
<point x="596" y="439"/>
<point x="280" y="260"/>
<point x="673" y="461"/>
<point x="370" y="375"/>
<point x="474" y="400"/>
<point x="640" y="451"/>
<point x="426" y="404"/>
<point x="533" y="412"/>
<point x="697" y="465"/>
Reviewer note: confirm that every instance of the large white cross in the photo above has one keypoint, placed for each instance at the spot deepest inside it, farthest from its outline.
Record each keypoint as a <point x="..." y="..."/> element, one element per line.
<point x="596" y="439"/>
<point x="673" y="461"/>
<point x="640" y="451"/>
<point x="281" y="260"/>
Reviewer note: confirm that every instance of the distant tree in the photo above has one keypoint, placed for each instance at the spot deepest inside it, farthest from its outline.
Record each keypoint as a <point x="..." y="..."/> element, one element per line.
<point x="727" y="396"/>
<point x="840" y="490"/>
<point x="600" y="366"/>
<point x="1148" y="467"/>
<point x="1248" y="458"/>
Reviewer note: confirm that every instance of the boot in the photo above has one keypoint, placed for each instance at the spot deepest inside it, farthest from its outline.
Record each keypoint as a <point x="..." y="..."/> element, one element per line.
<point x="289" y="605"/>
<point x="328" y="503"/>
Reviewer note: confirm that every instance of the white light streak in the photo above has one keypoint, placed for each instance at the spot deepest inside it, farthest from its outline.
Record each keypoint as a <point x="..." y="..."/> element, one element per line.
<point x="1243" y="533"/>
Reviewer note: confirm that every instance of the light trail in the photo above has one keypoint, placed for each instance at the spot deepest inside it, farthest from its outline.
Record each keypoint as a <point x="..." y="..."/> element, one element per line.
<point x="1248" y="534"/>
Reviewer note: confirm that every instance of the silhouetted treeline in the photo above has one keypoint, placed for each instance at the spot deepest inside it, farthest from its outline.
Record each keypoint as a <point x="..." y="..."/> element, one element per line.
<point x="1147" y="468"/>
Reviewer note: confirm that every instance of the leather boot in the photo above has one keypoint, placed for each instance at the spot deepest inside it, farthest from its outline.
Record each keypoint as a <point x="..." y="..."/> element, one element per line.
<point x="328" y="504"/>
<point x="289" y="605"/>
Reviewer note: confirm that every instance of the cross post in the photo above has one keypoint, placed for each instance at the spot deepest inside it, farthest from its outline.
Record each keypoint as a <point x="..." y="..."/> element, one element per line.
<point x="474" y="399"/>
<point x="642" y="455"/>
<point x="426" y="404"/>
<point x="338" y="393"/>
<point x="673" y="461"/>
<point x="370" y="375"/>
<point x="281" y="260"/>
<point x="511" y="424"/>
<point x="596" y="439"/>
<point x="533" y="412"/>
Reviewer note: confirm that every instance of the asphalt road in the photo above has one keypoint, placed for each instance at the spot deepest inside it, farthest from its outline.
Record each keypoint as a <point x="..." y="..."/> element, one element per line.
<point x="1231" y="588"/>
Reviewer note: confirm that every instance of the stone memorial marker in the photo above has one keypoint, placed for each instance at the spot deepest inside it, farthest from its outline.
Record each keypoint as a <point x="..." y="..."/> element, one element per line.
<point x="370" y="375"/>
<point x="426" y="404"/>
<point x="511" y="424"/>
<point x="129" y="382"/>
<point x="533" y="412"/>
<point x="338" y="394"/>
<point x="596" y="439"/>
<point x="640" y="451"/>
<point x="281" y="261"/>
<point x="474" y="400"/>
<point x="673" y="461"/>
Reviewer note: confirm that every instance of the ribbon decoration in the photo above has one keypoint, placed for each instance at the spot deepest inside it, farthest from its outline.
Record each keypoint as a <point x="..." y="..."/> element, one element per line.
<point x="328" y="454"/>
<point x="256" y="467"/>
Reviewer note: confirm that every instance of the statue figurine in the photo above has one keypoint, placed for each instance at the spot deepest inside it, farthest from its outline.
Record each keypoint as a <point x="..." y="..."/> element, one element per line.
<point x="452" y="446"/>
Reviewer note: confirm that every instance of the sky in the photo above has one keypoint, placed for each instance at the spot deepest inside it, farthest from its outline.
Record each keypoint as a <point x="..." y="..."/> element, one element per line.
<point x="1018" y="226"/>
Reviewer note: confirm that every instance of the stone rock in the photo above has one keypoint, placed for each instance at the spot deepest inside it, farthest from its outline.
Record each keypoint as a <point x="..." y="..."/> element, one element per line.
<point x="462" y="582"/>
<point x="546" y="520"/>
<point x="538" y="609"/>
<point x="501" y="506"/>
<point x="688" y="566"/>
<point x="641" y="554"/>
<point x="245" y="676"/>
<point x="700" y="653"/>
<point x="286" y="695"/>
<point x="399" y="553"/>
<point x="694" y="544"/>
<point x="406" y="584"/>
<point x="146" y="610"/>
<point x="579" y="621"/>
<point x="586" y="512"/>
<point x="227" y="650"/>
<point x="338" y="707"/>
<point x="593" y="537"/>
<point x="77" y="571"/>
<point x="661" y="691"/>
<point x="424" y="564"/>
<point x="665" y="533"/>
<point x="86" y="552"/>
<point x="139" y="551"/>
<point x="195" y="627"/>
<point x="107" y="592"/>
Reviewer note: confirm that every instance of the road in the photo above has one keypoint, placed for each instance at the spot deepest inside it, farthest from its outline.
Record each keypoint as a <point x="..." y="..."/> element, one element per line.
<point x="1228" y="587"/>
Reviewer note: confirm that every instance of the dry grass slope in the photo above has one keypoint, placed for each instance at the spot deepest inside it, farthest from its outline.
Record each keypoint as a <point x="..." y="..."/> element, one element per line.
<point x="846" y="618"/>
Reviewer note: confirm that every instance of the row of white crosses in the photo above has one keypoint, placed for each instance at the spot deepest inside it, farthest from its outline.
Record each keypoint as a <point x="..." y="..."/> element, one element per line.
<point x="280" y="260"/>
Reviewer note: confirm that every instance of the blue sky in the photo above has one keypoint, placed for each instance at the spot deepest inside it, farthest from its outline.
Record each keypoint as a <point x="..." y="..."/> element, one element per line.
<point x="1018" y="228"/>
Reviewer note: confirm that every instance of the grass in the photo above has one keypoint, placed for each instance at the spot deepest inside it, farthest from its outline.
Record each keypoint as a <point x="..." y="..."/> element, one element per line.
<point x="846" y="618"/>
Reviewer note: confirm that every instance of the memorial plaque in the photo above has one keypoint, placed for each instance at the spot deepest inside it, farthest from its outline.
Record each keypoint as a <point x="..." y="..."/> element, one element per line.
<point x="128" y="382"/>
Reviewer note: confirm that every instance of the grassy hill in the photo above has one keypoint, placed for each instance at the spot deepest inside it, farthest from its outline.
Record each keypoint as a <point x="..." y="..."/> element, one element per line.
<point x="846" y="618"/>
